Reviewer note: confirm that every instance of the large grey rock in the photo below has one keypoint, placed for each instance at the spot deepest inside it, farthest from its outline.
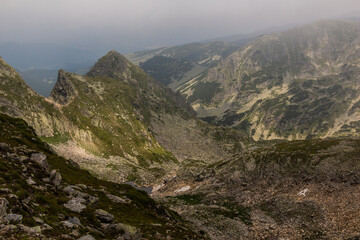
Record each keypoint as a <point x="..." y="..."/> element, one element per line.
<point x="38" y="220"/>
<point x="30" y="181"/>
<point x="112" y="228"/>
<point x="87" y="237"/>
<point x="76" y="204"/>
<point x="75" y="191"/>
<point x="45" y="227"/>
<point x="104" y="216"/>
<point x="3" y="206"/>
<point x="40" y="159"/>
<point x="116" y="199"/>
<point x="55" y="178"/>
<point x="75" y="221"/>
<point x="12" y="218"/>
<point x="32" y="231"/>
<point x="67" y="224"/>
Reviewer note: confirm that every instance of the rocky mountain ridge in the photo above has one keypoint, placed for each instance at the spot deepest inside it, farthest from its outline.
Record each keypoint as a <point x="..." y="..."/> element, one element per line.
<point x="117" y="121"/>
<point x="302" y="83"/>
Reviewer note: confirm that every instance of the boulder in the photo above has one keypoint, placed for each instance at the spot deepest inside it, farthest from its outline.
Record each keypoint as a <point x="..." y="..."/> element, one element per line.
<point x="87" y="237"/>
<point x="30" y="181"/>
<point x="45" y="227"/>
<point x="103" y="216"/>
<point x="112" y="228"/>
<point x="40" y="159"/>
<point x="32" y="231"/>
<point x="116" y="199"/>
<point x="76" y="204"/>
<point x="38" y="220"/>
<point x="55" y="178"/>
<point x="3" y="206"/>
<point x="75" y="191"/>
<point x="67" y="224"/>
<point x="12" y="218"/>
<point x="75" y="221"/>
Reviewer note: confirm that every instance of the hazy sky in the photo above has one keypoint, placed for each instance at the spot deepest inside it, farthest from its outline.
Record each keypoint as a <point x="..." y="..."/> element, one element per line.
<point x="129" y="25"/>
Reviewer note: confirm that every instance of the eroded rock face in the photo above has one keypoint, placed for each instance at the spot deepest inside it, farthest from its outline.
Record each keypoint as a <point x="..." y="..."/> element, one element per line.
<point x="64" y="90"/>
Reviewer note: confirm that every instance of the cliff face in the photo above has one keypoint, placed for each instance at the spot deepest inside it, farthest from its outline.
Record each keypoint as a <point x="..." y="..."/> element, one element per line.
<point x="64" y="90"/>
<point x="297" y="84"/>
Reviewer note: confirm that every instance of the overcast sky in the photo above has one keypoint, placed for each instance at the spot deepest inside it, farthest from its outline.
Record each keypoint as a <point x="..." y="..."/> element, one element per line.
<point x="128" y="25"/>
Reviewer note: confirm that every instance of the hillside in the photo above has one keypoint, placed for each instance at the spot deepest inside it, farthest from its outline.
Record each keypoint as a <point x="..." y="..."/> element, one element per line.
<point x="301" y="83"/>
<point x="274" y="190"/>
<point x="44" y="196"/>
<point x="116" y="121"/>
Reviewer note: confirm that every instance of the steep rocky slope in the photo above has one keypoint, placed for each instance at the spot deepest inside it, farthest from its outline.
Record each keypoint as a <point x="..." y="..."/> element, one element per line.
<point x="298" y="84"/>
<point x="17" y="99"/>
<point x="274" y="190"/>
<point x="116" y="121"/>
<point x="44" y="196"/>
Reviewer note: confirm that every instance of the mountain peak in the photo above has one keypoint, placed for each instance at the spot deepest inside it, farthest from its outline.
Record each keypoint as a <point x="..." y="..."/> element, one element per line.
<point x="113" y="65"/>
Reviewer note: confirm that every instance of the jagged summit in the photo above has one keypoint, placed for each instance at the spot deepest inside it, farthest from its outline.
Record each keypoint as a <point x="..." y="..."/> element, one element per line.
<point x="64" y="90"/>
<point x="113" y="65"/>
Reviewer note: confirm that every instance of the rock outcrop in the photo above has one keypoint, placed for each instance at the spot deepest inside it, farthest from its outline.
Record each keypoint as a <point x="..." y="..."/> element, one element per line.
<point x="64" y="90"/>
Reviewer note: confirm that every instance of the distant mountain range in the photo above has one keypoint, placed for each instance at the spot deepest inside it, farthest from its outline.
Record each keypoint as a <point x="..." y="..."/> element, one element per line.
<point x="298" y="84"/>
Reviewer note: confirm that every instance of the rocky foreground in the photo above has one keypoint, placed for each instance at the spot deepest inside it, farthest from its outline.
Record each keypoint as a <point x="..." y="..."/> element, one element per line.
<point x="274" y="190"/>
<point x="43" y="196"/>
